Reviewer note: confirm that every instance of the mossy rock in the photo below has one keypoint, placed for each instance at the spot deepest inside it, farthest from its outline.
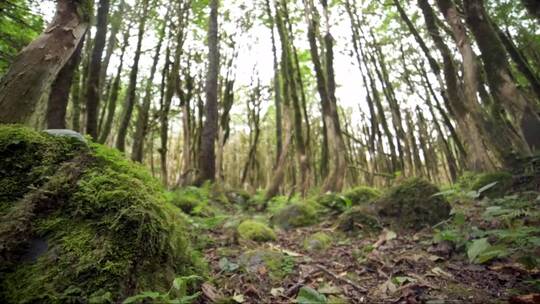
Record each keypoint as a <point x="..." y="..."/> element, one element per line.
<point x="266" y="262"/>
<point x="334" y="202"/>
<point x="92" y="225"/>
<point x="318" y="242"/>
<point x="359" y="219"/>
<point x="503" y="184"/>
<point x="255" y="231"/>
<point x="362" y="195"/>
<point x="295" y="215"/>
<point x="28" y="159"/>
<point x="238" y="196"/>
<point x="413" y="205"/>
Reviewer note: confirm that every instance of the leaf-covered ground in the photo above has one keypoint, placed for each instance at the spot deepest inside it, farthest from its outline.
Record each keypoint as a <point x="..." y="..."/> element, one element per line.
<point x="437" y="265"/>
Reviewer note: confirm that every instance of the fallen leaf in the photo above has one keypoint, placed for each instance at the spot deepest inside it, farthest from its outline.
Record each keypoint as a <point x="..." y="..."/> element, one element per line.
<point x="239" y="298"/>
<point x="526" y="299"/>
<point x="276" y="292"/>
<point x="439" y="272"/>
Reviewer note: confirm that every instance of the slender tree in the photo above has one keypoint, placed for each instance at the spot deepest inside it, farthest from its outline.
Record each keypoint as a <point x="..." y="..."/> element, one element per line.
<point x="207" y="158"/>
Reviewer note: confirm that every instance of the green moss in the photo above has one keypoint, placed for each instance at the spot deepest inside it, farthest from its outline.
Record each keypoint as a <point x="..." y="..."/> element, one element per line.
<point x="317" y="242"/>
<point x="277" y="265"/>
<point x="413" y="204"/>
<point x="192" y="200"/>
<point x="29" y="158"/>
<point x="503" y="184"/>
<point x="295" y="215"/>
<point x="110" y="235"/>
<point x="255" y="231"/>
<point x="362" y="195"/>
<point x="334" y="202"/>
<point x="359" y="219"/>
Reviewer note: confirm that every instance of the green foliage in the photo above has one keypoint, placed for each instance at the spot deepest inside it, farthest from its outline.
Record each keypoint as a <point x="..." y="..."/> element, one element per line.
<point x="18" y="27"/>
<point x="362" y="195"/>
<point x="308" y="295"/>
<point x="413" y="204"/>
<point x="116" y="214"/>
<point x="255" y="231"/>
<point x="334" y="202"/>
<point x="177" y="294"/>
<point x="192" y="200"/>
<point x="511" y="230"/>
<point x="295" y="215"/>
<point x="503" y="182"/>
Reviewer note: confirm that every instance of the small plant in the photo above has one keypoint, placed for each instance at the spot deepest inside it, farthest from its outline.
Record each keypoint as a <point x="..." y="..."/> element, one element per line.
<point x="177" y="294"/>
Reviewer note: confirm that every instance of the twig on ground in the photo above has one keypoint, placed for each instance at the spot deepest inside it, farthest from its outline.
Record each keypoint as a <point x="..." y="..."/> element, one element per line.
<point x="341" y="279"/>
<point x="294" y="289"/>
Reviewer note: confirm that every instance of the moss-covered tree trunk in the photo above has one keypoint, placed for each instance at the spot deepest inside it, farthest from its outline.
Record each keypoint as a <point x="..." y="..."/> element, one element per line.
<point x="37" y="66"/>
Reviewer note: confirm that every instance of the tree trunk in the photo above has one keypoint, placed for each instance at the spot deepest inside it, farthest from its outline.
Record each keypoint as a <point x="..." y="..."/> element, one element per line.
<point x="129" y="102"/>
<point x="207" y="158"/>
<point x="37" y="65"/>
<point x="115" y="90"/>
<point x="141" y="129"/>
<point x="499" y="77"/>
<point x="93" y="85"/>
<point x="59" y="96"/>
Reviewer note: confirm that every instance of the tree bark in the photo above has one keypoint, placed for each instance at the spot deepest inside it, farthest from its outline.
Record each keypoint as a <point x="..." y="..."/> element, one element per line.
<point x="141" y="129"/>
<point x="129" y="102"/>
<point x="37" y="65"/>
<point x="93" y="85"/>
<point x="207" y="158"/>
<point x="115" y="90"/>
<point x="59" y="96"/>
<point x="499" y="77"/>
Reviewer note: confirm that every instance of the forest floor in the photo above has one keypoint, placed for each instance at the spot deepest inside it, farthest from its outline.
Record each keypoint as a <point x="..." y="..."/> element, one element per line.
<point x="387" y="267"/>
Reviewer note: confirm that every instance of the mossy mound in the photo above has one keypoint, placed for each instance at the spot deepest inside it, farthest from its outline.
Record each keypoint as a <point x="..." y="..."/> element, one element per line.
<point x="359" y="219"/>
<point x="503" y="184"/>
<point x="295" y="215"/>
<point x="28" y="158"/>
<point x="266" y="262"/>
<point x="334" y="202"/>
<point x="362" y="195"/>
<point x="97" y="228"/>
<point x="317" y="242"/>
<point x="413" y="205"/>
<point x="255" y="231"/>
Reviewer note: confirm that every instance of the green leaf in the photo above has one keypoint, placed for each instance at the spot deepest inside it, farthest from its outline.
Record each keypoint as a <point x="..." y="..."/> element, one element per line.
<point x="487" y="187"/>
<point x="476" y="248"/>
<point x="310" y="296"/>
<point x="145" y="295"/>
<point x="227" y="266"/>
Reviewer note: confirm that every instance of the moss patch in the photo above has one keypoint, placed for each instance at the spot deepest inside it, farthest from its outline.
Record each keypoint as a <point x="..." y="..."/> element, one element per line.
<point x="28" y="159"/>
<point x="108" y="230"/>
<point x="362" y="195"/>
<point x="413" y="204"/>
<point x="359" y="219"/>
<point x="295" y="215"/>
<point x="255" y="231"/>
<point x="267" y="262"/>
<point x="503" y="184"/>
